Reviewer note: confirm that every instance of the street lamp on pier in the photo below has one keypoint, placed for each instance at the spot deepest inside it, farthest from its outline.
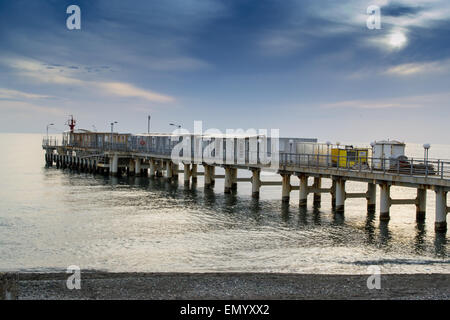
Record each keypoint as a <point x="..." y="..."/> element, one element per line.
<point x="112" y="132"/>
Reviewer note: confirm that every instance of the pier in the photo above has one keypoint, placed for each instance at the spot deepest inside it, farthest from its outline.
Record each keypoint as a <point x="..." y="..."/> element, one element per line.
<point x="152" y="156"/>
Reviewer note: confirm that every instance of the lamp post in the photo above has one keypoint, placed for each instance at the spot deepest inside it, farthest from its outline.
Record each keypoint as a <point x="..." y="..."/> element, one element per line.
<point x="148" y="123"/>
<point x="50" y="124"/>
<point x="112" y="132"/>
<point x="426" y="147"/>
<point x="372" y="144"/>
<point x="328" y="152"/>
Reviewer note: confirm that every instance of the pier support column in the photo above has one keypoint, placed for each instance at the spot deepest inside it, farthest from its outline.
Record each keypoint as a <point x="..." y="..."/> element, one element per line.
<point x="385" y="201"/>
<point x="137" y="167"/>
<point x="340" y="195"/>
<point x="256" y="182"/>
<point x="194" y="173"/>
<point x="208" y="180"/>
<point x="371" y="197"/>
<point x="228" y="179"/>
<point x="316" y="197"/>
<point x="285" y="187"/>
<point x="333" y="193"/>
<point x="212" y="169"/>
<point x="113" y="165"/>
<point x="131" y="167"/>
<point x="169" y="170"/>
<point x="234" y="174"/>
<point x="175" y="169"/>
<point x="421" y="204"/>
<point x="152" y="168"/>
<point x="303" y="190"/>
<point x="187" y="174"/>
<point x="440" y="224"/>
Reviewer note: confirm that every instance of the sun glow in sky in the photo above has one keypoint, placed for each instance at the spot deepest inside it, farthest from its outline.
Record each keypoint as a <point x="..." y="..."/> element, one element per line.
<point x="397" y="40"/>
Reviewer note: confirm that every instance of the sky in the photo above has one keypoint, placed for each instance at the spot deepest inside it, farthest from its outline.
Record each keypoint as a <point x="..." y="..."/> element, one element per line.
<point x="308" y="68"/>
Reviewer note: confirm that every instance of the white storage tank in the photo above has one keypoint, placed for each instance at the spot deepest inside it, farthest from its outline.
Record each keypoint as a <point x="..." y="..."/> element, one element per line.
<point x="386" y="149"/>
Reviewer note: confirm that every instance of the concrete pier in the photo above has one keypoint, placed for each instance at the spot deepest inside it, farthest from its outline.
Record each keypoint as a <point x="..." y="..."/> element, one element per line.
<point x="317" y="195"/>
<point x="194" y="173"/>
<point x="303" y="190"/>
<point x="440" y="224"/>
<point x="169" y="170"/>
<point x="256" y="182"/>
<point x="385" y="201"/>
<point x="152" y="168"/>
<point x="228" y="180"/>
<point x="113" y="165"/>
<point x="208" y="175"/>
<point x="285" y="187"/>
<point x="111" y="161"/>
<point x="137" y="167"/>
<point x="371" y="197"/>
<point x="421" y="204"/>
<point x="340" y="195"/>
<point x="234" y="181"/>
<point x="187" y="174"/>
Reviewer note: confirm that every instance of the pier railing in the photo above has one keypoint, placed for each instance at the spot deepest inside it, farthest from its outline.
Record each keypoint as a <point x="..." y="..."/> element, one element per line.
<point x="435" y="168"/>
<point x="49" y="142"/>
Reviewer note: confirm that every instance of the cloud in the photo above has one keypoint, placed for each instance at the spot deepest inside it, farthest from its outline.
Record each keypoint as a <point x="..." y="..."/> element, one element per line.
<point x="408" y="102"/>
<point x="62" y="75"/>
<point x="41" y="72"/>
<point x="407" y="69"/>
<point x="14" y="94"/>
<point x="397" y="10"/>
<point x="128" y="90"/>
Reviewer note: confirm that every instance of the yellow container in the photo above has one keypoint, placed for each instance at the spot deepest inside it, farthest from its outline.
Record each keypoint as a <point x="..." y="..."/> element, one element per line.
<point x="349" y="157"/>
<point x="339" y="155"/>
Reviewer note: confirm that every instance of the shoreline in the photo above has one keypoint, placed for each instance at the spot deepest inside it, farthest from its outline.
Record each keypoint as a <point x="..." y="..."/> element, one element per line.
<point x="230" y="286"/>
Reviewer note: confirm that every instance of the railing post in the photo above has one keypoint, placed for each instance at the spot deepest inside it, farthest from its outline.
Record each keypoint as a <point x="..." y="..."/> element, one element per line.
<point x="442" y="170"/>
<point x="411" y="167"/>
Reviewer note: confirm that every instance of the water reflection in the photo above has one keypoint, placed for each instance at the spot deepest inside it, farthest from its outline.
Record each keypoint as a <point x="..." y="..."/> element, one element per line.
<point x="285" y="211"/>
<point x="419" y="239"/>
<point x="302" y="216"/>
<point x="440" y="244"/>
<point x="385" y="234"/>
<point x="338" y="219"/>
<point x="369" y="228"/>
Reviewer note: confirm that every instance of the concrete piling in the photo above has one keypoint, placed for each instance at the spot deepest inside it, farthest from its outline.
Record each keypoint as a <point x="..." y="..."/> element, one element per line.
<point x="340" y="195"/>
<point x="256" y="182"/>
<point x="285" y="187"/>
<point x="385" y="201"/>
<point x="228" y="180"/>
<point x="371" y="197"/>
<point x="440" y="224"/>
<point x="303" y="190"/>
<point x="317" y="196"/>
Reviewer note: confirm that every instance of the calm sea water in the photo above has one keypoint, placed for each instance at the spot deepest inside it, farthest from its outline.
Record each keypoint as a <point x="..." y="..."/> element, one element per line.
<point x="50" y="219"/>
